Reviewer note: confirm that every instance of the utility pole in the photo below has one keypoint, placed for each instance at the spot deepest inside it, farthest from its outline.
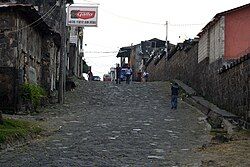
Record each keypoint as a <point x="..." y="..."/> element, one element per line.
<point x="166" y="44"/>
<point x="166" y="50"/>
<point x="62" y="54"/>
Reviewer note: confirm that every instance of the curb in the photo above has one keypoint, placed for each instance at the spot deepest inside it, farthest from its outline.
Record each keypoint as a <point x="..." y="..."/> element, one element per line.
<point x="208" y="108"/>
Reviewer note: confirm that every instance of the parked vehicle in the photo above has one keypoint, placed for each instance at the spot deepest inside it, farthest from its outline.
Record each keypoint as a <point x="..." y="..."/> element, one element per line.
<point x="96" y="78"/>
<point x="106" y="77"/>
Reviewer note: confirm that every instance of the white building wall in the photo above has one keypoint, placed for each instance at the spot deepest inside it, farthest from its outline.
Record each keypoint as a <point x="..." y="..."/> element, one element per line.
<point x="211" y="43"/>
<point x="203" y="47"/>
<point x="216" y="49"/>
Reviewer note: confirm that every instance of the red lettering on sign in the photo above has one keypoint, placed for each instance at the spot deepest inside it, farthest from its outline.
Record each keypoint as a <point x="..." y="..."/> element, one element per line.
<point x="85" y="14"/>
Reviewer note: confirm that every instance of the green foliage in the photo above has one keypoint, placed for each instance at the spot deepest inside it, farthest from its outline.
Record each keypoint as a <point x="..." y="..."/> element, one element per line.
<point x="14" y="129"/>
<point x="85" y="68"/>
<point x="33" y="93"/>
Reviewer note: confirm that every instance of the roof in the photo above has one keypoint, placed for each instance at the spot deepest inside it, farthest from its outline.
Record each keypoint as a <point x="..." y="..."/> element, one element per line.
<point x="158" y="42"/>
<point x="31" y="15"/>
<point x="218" y="16"/>
<point x="124" y="52"/>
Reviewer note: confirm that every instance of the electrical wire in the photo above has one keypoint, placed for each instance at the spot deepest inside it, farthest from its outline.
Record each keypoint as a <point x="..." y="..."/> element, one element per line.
<point x="128" y="18"/>
<point x="101" y="52"/>
<point x="48" y="13"/>
<point x="100" y="56"/>
<point x="153" y="23"/>
<point x="186" y="25"/>
<point x="87" y="2"/>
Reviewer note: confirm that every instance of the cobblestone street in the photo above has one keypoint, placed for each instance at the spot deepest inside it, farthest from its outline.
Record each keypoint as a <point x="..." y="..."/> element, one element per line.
<point x="103" y="124"/>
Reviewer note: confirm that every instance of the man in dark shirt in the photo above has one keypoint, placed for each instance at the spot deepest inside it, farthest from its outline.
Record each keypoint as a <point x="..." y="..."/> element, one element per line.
<point x="118" y="74"/>
<point x="174" y="95"/>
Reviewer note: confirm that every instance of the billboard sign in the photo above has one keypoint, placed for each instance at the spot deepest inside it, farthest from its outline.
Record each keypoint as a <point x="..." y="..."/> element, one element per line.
<point x="82" y="16"/>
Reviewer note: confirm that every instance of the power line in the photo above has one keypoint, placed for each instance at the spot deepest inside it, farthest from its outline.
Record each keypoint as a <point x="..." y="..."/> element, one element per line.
<point x="101" y="52"/>
<point x="99" y="57"/>
<point x="100" y="45"/>
<point x="128" y="18"/>
<point x="87" y="2"/>
<point x="153" y="23"/>
<point x="48" y="13"/>
<point x="185" y="25"/>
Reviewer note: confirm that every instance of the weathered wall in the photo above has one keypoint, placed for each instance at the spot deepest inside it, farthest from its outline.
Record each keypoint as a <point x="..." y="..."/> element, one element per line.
<point x="8" y="41"/>
<point x="21" y="49"/>
<point x="182" y="65"/>
<point x="49" y="64"/>
<point x="30" y="44"/>
<point x="28" y="50"/>
<point x="157" y="72"/>
<point x="44" y="6"/>
<point x="229" y="89"/>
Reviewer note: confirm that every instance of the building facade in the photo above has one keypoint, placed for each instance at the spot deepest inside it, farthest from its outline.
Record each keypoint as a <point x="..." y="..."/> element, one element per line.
<point x="227" y="36"/>
<point x="28" y="47"/>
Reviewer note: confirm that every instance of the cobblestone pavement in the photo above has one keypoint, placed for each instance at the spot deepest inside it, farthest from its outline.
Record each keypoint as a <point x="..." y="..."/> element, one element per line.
<point x="103" y="124"/>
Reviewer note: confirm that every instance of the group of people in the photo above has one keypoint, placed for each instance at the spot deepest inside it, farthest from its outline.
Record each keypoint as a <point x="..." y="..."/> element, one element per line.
<point x="127" y="73"/>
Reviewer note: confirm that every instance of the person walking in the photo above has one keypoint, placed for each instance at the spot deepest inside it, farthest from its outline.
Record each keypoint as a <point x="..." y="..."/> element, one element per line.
<point x="118" y="74"/>
<point x="128" y="75"/>
<point x="145" y="76"/>
<point x="90" y="75"/>
<point x="174" y="95"/>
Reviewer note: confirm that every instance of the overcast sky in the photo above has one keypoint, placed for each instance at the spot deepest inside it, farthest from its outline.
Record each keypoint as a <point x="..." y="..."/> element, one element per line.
<point x="125" y="22"/>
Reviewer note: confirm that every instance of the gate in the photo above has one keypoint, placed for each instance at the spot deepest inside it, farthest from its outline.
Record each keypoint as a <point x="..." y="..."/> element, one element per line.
<point x="8" y="89"/>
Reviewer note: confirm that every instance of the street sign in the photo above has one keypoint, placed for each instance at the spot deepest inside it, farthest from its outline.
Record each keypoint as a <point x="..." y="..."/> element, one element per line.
<point x="82" y="16"/>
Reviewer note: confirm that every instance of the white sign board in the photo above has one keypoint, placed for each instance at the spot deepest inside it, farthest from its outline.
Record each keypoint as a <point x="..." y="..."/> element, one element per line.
<point x="73" y="39"/>
<point x="82" y="16"/>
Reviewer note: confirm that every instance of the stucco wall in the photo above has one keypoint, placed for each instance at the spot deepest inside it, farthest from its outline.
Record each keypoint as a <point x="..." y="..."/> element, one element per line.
<point x="237" y="33"/>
